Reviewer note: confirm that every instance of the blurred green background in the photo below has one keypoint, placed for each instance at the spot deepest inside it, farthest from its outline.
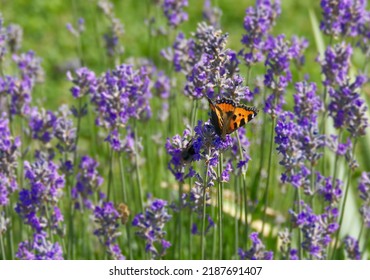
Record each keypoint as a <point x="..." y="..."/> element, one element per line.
<point x="44" y="25"/>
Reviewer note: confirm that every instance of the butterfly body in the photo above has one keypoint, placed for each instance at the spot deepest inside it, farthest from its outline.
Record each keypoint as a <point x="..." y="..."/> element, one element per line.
<point x="228" y="115"/>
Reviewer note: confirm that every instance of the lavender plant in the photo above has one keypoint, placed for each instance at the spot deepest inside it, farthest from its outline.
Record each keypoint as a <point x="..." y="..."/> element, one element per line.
<point x="150" y="226"/>
<point x="84" y="166"/>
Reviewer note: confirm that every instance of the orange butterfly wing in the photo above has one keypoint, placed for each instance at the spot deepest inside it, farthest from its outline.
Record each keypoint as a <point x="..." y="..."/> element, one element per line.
<point x="227" y="116"/>
<point x="219" y="114"/>
<point x="240" y="117"/>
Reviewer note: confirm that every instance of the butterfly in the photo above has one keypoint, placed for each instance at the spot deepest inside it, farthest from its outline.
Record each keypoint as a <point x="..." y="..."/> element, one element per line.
<point x="228" y="115"/>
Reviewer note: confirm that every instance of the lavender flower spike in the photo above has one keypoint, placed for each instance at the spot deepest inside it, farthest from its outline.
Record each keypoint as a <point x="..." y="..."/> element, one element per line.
<point x="45" y="186"/>
<point x="342" y="17"/>
<point x="88" y="182"/>
<point x="39" y="249"/>
<point x="257" y="251"/>
<point x="107" y="219"/>
<point x="9" y="153"/>
<point x="364" y="190"/>
<point x="258" y="21"/>
<point x="151" y="227"/>
<point x="173" y="10"/>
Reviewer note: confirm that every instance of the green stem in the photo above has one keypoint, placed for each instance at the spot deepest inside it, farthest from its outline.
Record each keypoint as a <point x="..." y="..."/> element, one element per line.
<point x="244" y="186"/>
<point x="323" y="129"/>
<point x="2" y="246"/>
<point x="10" y="233"/>
<point x="125" y="199"/>
<point x="194" y="112"/>
<point x="237" y="215"/>
<point x="179" y="225"/>
<point x="77" y="132"/>
<point x="249" y="74"/>
<point x="220" y="205"/>
<point x="343" y="203"/>
<point x="71" y="233"/>
<point x="205" y="186"/>
<point x="79" y="41"/>
<point x="366" y="241"/>
<point x="214" y="232"/>
<point x="137" y="171"/>
<point x="48" y="219"/>
<point x="265" y="197"/>
<point x="110" y="174"/>
<point x="336" y="159"/>
<point x="361" y="232"/>
<point x="312" y="184"/>
<point x="299" y="230"/>
<point x="190" y="228"/>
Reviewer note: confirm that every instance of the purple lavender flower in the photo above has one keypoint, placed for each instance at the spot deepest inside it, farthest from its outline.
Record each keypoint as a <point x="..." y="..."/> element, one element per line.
<point x="14" y="34"/>
<point x="29" y="66"/>
<point x="4" y="223"/>
<point x="242" y="160"/>
<point x="307" y="104"/>
<point x="215" y="72"/>
<point x="364" y="191"/>
<point x="307" y="107"/>
<point x="258" y="21"/>
<point x="225" y="176"/>
<point x="195" y="198"/>
<point x="364" y="35"/>
<point x="210" y="68"/>
<point x="285" y="248"/>
<point x="335" y="64"/>
<point x="112" y="36"/>
<point x="7" y="186"/>
<point x="88" y="183"/>
<point x="206" y="145"/>
<point x="127" y="144"/>
<point x="162" y="86"/>
<point x="299" y="46"/>
<point x="347" y="108"/>
<point x="257" y="251"/>
<point x="151" y="227"/>
<point x="84" y="83"/>
<point x="212" y="15"/>
<point x="174" y="12"/>
<point x="279" y="54"/>
<point x="317" y="229"/>
<point x="183" y="54"/>
<point x="342" y="17"/>
<point x="181" y="151"/>
<point x="20" y="91"/>
<point x="3" y="39"/>
<point x="9" y="153"/>
<point x="298" y="143"/>
<point x="42" y="124"/>
<point x="45" y="186"/>
<point x="122" y="94"/>
<point x="331" y="193"/>
<point x="115" y="30"/>
<point x="65" y="131"/>
<point x="341" y="149"/>
<point x="39" y="249"/>
<point x="107" y="219"/>
<point x="352" y="248"/>
<point x="79" y="30"/>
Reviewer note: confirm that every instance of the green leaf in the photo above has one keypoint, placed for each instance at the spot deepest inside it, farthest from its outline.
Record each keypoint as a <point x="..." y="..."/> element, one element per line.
<point x="319" y="40"/>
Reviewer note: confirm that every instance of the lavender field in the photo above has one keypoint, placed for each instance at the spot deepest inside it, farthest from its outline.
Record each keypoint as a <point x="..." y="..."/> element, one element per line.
<point x="184" y="129"/>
